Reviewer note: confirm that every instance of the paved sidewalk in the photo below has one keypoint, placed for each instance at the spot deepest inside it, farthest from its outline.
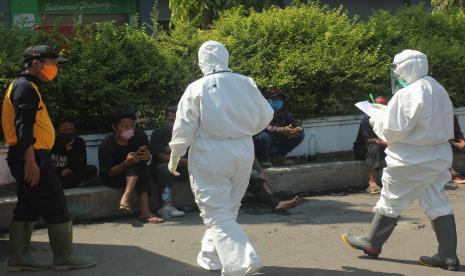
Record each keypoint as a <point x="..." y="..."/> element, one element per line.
<point x="305" y="243"/>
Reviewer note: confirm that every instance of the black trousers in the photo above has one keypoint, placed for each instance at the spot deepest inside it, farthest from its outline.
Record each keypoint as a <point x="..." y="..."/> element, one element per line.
<point x="46" y="199"/>
<point x="140" y="170"/>
<point x="165" y="179"/>
<point x="76" y="178"/>
<point x="373" y="155"/>
<point x="256" y="188"/>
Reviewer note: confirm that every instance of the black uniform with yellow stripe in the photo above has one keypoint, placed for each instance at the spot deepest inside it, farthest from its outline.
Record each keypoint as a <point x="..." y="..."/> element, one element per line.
<point x="26" y="122"/>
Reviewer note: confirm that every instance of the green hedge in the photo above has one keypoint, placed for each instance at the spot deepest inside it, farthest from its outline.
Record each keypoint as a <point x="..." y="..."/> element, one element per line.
<point x="110" y="68"/>
<point x="323" y="60"/>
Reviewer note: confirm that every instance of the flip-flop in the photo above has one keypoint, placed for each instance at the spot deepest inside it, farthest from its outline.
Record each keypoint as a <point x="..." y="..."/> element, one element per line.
<point x="147" y="219"/>
<point x="373" y="190"/>
<point x="125" y="209"/>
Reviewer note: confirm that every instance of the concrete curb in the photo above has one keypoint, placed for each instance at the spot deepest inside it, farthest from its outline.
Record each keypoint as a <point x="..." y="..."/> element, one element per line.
<point x="319" y="177"/>
<point x="102" y="202"/>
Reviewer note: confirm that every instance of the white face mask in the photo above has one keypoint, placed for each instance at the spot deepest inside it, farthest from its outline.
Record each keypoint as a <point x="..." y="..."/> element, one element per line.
<point x="127" y="134"/>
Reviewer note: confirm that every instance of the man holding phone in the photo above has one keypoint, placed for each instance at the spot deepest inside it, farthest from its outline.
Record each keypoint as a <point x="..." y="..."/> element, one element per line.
<point x="123" y="158"/>
<point x="281" y="136"/>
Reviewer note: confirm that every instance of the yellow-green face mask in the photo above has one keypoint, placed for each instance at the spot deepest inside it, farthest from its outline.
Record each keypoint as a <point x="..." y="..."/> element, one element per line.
<point x="397" y="82"/>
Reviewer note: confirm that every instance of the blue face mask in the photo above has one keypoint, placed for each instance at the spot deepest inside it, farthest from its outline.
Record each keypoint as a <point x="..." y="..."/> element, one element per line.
<point x="276" y="104"/>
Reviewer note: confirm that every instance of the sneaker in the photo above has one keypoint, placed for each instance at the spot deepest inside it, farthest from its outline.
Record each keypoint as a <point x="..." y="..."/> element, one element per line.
<point x="170" y="211"/>
<point x="458" y="179"/>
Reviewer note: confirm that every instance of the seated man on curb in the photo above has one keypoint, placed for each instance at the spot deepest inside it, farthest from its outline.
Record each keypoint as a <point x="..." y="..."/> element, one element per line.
<point x="123" y="158"/>
<point x="260" y="187"/>
<point x="159" y="146"/>
<point x="458" y="145"/>
<point x="69" y="156"/>
<point x="369" y="148"/>
<point x="282" y="135"/>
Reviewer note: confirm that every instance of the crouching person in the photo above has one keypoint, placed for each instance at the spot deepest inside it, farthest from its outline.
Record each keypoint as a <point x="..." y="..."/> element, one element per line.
<point x="69" y="157"/>
<point x="123" y="158"/>
<point x="30" y="135"/>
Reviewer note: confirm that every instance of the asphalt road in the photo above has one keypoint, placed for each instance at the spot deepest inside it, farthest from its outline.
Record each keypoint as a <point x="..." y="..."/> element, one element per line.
<point x="304" y="243"/>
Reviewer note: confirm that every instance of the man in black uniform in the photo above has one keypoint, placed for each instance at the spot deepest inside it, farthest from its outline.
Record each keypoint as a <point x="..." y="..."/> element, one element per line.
<point x="30" y="135"/>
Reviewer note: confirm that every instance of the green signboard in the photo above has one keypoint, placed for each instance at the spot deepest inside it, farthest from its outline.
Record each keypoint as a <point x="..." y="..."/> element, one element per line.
<point x="83" y="7"/>
<point x="29" y="13"/>
<point x="24" y="13"/>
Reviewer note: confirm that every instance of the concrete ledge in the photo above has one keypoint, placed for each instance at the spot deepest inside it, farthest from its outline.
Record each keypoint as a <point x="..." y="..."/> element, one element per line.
<point x="102" y="202"/>
<point x="96" y="202"/>
<point x="83" y="203"/>
<point x="319" y="177"/>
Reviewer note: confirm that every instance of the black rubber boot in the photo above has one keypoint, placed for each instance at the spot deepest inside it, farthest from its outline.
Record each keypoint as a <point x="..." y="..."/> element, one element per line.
<point x="61" y="241"/>
<point x="20" y="258"/>
<point x="371" y="244"/>
<point x="446" y="234"/>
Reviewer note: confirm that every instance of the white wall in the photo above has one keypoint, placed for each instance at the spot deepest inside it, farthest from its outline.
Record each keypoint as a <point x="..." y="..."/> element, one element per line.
<point x="322" y="135"/>
<point x="333" y="134"/>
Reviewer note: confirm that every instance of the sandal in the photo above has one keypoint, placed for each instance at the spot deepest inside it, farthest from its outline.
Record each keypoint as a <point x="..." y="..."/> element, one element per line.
<point x="373" y="189"/>
<point x="125" y="209"/>
<point x="151" y="219"/>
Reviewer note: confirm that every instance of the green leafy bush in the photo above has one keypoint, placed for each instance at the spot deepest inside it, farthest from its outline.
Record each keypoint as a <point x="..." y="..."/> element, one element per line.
<point x="321" y="58"/>
<point x="109" y="68"/>
<point x="324" y="60"/>
<point x="113" y="68"/>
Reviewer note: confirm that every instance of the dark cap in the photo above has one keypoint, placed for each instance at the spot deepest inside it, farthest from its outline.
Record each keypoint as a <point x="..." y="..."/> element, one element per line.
<point x="275" y="93"/>
<point x="42" y="51"/>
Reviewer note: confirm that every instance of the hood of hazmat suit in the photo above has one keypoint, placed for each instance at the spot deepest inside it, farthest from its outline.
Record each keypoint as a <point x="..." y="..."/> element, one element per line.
<point x="217" y="117"/>
<point x="213" y="58"/>
<point x="408" y="67"/>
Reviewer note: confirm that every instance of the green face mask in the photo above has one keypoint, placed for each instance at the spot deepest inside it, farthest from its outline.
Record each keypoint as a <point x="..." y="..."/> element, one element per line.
<point x="402" y="83"/>
<point x="397" y="82"/>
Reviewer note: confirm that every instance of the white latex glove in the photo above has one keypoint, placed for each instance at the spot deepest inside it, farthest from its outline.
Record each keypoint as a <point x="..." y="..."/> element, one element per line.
<point x="173" y="165"/>
<point x="372" y="121"/>
<point x="379" y="106"/>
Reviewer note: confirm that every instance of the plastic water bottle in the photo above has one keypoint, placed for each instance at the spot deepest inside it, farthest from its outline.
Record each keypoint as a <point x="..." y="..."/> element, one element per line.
<point x="311" y="150"/>
<point x="167" y="195"/>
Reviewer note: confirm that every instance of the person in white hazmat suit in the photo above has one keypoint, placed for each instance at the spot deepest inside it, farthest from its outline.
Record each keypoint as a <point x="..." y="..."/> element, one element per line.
<point x="417" y="125"/>
<point x="217" y="117"/>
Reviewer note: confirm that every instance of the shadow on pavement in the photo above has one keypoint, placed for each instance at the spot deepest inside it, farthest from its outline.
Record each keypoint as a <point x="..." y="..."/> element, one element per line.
<point x="114" y="260"/>
<point x="347" y="270"/>
<point x="3" y="248"/>
<point x="312" y="211"/>
<point x="409" y="262"/>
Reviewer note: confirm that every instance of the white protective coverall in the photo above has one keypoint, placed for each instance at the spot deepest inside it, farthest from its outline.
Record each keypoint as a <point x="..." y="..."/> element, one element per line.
<point x="217" y="117"/>
<point x="417" y="125"/>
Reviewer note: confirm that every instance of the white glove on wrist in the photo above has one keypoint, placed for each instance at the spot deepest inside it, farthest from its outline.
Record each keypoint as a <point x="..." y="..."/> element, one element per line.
<point x="372" y="122"/>
<point x="379" y="106"/>
<point x="173" y="165"/>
